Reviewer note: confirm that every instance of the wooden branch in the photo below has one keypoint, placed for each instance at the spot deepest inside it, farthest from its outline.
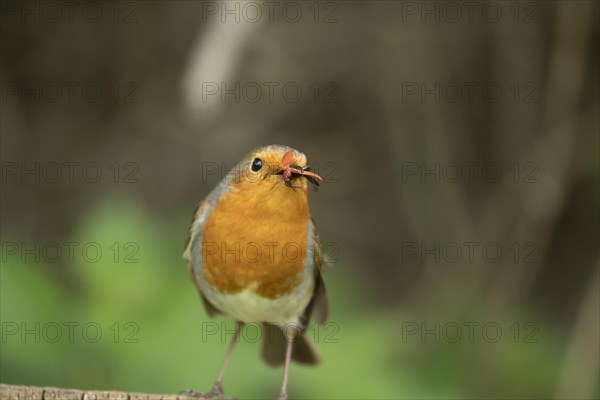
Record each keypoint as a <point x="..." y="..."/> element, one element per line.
<point x="13" y="392"/>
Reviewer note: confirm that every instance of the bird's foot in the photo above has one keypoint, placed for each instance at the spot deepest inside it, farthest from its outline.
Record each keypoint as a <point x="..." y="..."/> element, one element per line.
<point x="282" y="396"/>
<point x="216" y="392"/>
<point x="192" y="393"/>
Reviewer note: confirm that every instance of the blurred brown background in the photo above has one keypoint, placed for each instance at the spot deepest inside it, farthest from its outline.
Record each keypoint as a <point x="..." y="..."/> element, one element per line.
<point x="439" y="127"/>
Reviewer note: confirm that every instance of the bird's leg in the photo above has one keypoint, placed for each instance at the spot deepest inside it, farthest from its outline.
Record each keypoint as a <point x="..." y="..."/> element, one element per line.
<point x="288" y="356"/>
<point x="217" y="389"/>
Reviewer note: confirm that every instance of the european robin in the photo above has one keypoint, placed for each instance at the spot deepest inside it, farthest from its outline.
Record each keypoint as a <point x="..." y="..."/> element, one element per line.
<point x="254" y="254"/>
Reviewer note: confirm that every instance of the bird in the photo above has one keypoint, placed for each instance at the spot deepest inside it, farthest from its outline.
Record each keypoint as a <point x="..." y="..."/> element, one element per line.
<point x="254" y="254"/>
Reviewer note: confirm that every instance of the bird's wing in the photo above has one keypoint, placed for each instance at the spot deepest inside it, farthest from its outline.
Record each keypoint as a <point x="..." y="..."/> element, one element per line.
<point x="194" y="234"/>
<point x="318" y="308"/>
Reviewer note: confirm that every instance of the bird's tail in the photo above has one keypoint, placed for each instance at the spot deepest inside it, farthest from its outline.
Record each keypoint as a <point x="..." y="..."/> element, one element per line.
<point x="274" y="345"/>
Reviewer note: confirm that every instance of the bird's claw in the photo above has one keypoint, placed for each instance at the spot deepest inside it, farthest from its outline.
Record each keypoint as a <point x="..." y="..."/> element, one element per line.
<point x="193" y="393"/>
<point x="216" y="392"/>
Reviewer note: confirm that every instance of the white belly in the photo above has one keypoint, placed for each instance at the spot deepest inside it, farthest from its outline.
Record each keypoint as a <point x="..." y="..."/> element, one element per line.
<point x="247" y="306"/>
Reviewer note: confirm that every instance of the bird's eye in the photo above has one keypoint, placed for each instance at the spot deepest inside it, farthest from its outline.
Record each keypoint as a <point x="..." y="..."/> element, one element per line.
<point x="257" y="164"/>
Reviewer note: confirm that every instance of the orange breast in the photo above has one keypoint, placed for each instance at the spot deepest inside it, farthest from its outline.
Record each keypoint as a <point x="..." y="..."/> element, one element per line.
<point x="256" y="236"/>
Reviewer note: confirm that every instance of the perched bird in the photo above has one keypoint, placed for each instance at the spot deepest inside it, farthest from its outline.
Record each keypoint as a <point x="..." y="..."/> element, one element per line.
<point x="254" y="254"/>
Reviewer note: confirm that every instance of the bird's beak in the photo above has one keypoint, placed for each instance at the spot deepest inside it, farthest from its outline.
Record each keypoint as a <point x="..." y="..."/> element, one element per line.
<point x="295" y="170"/>
<point x="305" y="172"/>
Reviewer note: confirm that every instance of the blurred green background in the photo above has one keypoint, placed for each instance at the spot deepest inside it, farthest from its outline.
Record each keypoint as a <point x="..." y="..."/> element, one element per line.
<point x="385" y="98"/>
